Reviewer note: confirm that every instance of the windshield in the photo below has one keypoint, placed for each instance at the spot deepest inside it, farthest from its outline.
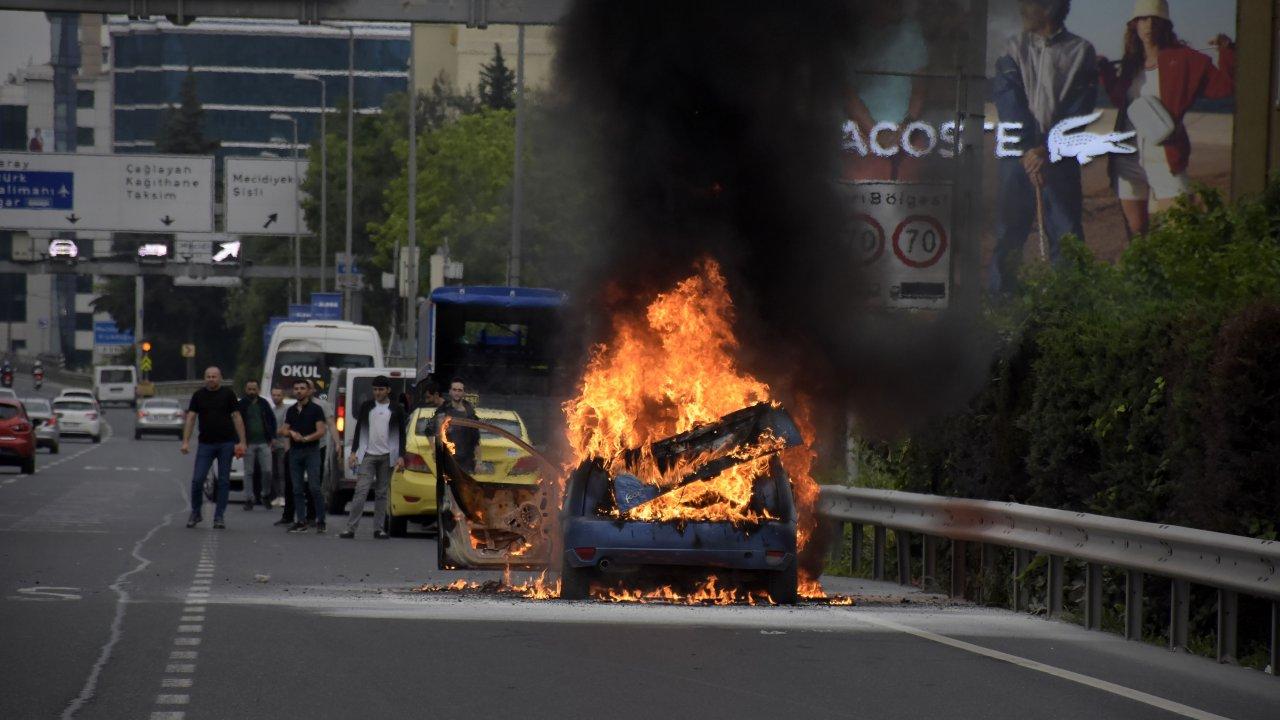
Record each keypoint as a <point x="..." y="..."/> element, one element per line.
<point x="116" y="376"/>
<point x="78" y="405"/>
<point x="312" y="365"/>
<point x="37" y="405"/>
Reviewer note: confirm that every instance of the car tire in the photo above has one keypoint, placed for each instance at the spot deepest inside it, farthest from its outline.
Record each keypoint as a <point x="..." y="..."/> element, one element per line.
<point x="97" y="439"/>
<point x="397" y="526"/>
<point x="782" y="586"/>
<point x="575" y="583"/>
<point x="29" y="466"/>
<point x="137" y="435"/>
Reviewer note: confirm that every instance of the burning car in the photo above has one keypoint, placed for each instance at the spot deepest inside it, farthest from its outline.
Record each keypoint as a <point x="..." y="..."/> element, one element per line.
<point x="682" y="467"/>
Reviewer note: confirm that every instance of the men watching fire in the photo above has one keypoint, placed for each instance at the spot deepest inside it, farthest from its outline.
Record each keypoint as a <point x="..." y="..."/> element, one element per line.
<point x="464" y="439"/>
<point x="377" y="446"/>
<point x="304" y="425"/>
<point x="1046" y="75"/>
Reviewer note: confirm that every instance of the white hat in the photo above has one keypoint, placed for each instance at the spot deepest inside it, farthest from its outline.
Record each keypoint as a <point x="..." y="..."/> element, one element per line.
<point x="1151" y="8"/>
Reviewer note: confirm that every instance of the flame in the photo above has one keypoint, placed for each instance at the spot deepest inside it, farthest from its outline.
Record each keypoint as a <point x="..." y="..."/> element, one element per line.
<point x="665" y="372"/>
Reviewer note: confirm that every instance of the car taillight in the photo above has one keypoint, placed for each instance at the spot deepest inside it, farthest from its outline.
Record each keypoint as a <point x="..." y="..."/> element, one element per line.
<point x="53" y="420"/>
<point x="526" y="465"/>
<point x="414" y="461"/>
<point x="21" y="428"/>
<point x="586" y="554"/>
<point x="91" y="416"/>
<point x="342" y="416"/>
<point x="141" y="414"/>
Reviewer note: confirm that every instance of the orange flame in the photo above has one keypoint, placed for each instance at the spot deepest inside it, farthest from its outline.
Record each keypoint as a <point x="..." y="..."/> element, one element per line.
<point x="665" y="373"/>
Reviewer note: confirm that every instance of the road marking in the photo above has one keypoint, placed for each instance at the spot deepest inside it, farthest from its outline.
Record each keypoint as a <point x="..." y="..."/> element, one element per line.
<point x="189" y="625"/>
<point x="173" y="699"/>
<point x="170" y="715"/>
<point x="180" y="668"/>
<point x="191" y="618"/>
<point x="1068" y="675"/>
<point x="177" y="682"/>
<point x="183" y="654"/>
<point x="188" y="641"/>
<point x="190" y="628"/>
<point x="45" y="466"/>
<point x="47" y="593"/>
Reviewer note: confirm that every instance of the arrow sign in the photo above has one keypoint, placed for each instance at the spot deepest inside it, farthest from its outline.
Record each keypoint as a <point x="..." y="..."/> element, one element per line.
<point x="73" y="218"/>
<point x="270" y="219"/>
<point x="229" y="250"/>
<point x="166" y="220"/>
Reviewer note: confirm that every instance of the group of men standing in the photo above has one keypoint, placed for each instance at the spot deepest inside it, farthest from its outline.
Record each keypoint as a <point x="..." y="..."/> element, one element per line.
<point x="286" y="445"/>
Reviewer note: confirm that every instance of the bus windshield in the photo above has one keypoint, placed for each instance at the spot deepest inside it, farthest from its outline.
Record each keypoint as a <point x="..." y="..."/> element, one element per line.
<point x="312" y="365"/>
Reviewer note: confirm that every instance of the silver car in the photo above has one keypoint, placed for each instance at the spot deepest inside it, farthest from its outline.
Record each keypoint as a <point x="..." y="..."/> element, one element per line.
<point x="48" y="434"/>
<point x="159" y="416"/>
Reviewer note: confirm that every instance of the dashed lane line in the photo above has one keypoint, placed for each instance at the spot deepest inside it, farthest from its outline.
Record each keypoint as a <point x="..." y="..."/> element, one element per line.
<point x="109" y="433"/>
<point x="190" y="627"/>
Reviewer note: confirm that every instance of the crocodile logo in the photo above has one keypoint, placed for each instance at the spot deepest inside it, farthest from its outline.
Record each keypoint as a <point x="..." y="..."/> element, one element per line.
<point x="1085" y="146"/>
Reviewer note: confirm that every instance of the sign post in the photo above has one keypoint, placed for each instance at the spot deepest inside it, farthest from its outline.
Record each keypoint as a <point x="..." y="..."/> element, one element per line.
<point x="126" y="193"/>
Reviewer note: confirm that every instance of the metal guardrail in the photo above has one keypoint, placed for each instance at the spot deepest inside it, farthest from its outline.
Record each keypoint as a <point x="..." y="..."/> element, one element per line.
<point x="1229" y="563"/>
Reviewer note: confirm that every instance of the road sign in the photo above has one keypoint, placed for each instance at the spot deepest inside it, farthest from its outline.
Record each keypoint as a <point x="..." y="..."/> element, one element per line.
<point x="222" y="281"/>
<point x="300" y="312"/>
<point x="193" y="249"/>
<point x="129" y="193"/>
<point x="326" y="306"/>
<point x="146" y="363"/>
<point x="898" y="236"/>
<point x="106" y="333"/>
<point x="262" y="196"/>
<point x="347" y="275"/>
<point x="188" y="350"/>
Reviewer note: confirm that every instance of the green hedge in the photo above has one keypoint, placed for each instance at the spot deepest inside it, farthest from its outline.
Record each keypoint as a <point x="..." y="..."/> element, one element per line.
<point x="1147" y="389"/>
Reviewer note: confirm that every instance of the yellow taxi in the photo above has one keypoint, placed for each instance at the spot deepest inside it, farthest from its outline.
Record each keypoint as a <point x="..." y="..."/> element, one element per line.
<point x="498" y="460"/>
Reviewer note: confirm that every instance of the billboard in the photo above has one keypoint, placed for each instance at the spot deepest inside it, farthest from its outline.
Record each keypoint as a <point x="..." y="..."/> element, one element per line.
<point x="128" y="193"/>
<point x="263" y="196"/>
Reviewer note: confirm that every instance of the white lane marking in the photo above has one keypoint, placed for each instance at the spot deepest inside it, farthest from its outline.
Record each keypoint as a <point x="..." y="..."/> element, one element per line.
<point x="176" y="682"/>
<point x="201" y="581"/>
<point x="1068" y="675"/>
<point x="191" y="618"/>
<point x="117" y="623"/>
<point x="173" y="699"/>
<point x="187" y="641"/>
<point x="190" y="625"/>
<point x="180" y="668"/>
<point x="190" y="628"/>
<point x="183" y="654"/>
<point x="43" y="592"/>
<point x="197" y="601"/>
<point x="168" y="715"/>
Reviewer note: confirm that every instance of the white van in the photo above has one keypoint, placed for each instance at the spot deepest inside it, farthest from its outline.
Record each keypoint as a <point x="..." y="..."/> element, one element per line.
<point x="309" y="350"/>
<point x="115" y="383"/>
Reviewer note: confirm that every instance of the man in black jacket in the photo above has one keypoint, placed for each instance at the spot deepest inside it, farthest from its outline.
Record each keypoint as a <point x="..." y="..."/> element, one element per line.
<point x="377" y="445"/>
<point x="465" y="440"/>
<point x="259" y="430"/>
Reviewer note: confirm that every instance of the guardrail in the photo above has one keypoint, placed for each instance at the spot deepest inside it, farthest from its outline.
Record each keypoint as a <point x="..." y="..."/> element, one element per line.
<point x="1229" y="563"/>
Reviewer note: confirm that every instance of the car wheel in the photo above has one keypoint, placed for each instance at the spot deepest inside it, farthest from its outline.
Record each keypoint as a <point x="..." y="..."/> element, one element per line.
<point x="97" y="438"/>
<point x="397" y="526"/>
<point x="137" y="435"/>
<point x="575" y="583"/>
<point x="29" y="466"/>
<point x="53" y="449"/>
<point x="782" y="586"/>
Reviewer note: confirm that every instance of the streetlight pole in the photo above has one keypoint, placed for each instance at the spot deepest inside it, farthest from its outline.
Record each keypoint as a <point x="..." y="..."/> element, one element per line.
<point x="324" y="179"/>
<point x="351" y="114"/>
<point x="411" y="282"/>
<point x="517" y="194"/>
<point x="297" y="243"/>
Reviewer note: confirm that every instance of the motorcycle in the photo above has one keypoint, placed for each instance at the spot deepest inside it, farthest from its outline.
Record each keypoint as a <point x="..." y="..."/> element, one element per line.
<point x="38" y="377"/>
<point x="6" y="378"/>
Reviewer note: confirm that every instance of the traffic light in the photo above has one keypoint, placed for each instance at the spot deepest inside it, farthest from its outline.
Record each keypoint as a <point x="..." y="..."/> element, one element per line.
<point x="146" y="346"/>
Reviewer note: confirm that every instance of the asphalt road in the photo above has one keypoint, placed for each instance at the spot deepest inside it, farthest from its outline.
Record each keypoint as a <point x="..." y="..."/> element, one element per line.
<point x="110" y="608"/>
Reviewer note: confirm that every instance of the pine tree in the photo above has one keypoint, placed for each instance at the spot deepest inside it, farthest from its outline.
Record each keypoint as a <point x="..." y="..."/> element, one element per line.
<point x="182" y="130"/>
<point x="497" y="83"/>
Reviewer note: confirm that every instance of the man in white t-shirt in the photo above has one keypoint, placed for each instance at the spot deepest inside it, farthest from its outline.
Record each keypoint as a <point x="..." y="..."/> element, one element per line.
<point x="377" y="447"/>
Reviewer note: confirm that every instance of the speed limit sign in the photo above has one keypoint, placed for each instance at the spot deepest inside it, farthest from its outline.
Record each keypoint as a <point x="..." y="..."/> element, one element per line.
<point x="916" y="272"/>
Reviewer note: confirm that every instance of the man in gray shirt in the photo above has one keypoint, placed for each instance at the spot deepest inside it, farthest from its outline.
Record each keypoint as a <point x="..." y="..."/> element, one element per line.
<point x="1046" y="75"/>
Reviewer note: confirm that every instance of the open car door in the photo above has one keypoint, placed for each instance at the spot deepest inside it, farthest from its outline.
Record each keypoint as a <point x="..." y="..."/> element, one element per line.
<point x="504" y="513"/>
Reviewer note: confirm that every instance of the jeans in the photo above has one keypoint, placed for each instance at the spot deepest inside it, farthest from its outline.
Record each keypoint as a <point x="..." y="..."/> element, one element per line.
<point x="304" y="467"/>
<point x="1016" y="215"/>
<point x="374" y="470"/>
<point x="206" y="453"/>
<point x="259" y="454"/>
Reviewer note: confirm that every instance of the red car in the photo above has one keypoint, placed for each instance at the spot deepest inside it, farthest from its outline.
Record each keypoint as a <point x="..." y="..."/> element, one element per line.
<point x="17" y="436"/>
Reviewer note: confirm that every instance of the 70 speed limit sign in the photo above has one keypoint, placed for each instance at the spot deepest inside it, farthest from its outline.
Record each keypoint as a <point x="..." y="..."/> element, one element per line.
<point x="897" y="238"/>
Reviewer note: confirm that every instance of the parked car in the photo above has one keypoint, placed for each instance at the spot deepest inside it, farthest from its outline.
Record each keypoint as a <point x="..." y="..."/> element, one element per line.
<point x="17" y="436"/>
<point x="48" y="434"/>
<point x="78" y="415"/>
<point x="159" y="416"/>
<point x="413" y="489"/>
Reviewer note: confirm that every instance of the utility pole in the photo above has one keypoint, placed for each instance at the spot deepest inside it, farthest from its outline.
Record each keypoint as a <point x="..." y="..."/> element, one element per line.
<point x="351" y="115"/>
<point x="139" y="332"/>
<point x="324" y="178"/>
<point x="411" y="282"/>
<point x="517" y="196"/>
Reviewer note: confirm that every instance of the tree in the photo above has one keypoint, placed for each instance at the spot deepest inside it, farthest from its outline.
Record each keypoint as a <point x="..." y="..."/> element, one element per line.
<point x="497" y="83"/>
<point x="182" y="315"/>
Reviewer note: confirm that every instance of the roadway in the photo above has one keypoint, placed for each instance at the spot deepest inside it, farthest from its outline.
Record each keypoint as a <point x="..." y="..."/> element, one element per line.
<point x="110" y="608"/>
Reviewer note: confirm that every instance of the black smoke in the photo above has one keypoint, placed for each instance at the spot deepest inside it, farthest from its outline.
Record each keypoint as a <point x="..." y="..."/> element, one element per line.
<point x="715" y="127"/>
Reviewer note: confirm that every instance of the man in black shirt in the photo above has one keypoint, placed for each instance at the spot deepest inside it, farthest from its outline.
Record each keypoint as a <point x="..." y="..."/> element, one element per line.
<point x="465" y="440"/>
<point x="221" y="436"/>
<point x="304" y="425"/>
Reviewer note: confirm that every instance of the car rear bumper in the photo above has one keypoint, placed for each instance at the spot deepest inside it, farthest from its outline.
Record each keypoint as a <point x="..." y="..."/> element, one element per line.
<point x="698" y="544"/>
<point x="413" y="494"/>
<point x="12" y="451"/>
<point x="159" y="426"/>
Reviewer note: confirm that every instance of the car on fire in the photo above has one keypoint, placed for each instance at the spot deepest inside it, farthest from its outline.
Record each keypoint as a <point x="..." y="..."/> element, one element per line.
<point x="598" y="530"/>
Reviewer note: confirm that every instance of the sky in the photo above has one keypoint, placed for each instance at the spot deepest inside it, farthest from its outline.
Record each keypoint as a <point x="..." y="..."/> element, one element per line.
<point x="23" y="36"/>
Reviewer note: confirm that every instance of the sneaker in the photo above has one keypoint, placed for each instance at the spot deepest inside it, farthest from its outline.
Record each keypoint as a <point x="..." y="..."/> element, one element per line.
<point x="298" y="527"/>
<point x="278" y="502"/>
<point x="380" y="535"/>
<point x="283" y="521"/>
<point x="347" y="534"/>
<point x="194" y="520"/>
<point x="218" y="524"/>
<point x="319" y="528"/>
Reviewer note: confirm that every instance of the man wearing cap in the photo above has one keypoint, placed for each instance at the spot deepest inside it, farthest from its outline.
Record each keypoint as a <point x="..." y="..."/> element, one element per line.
<point x="377" y="447"/>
